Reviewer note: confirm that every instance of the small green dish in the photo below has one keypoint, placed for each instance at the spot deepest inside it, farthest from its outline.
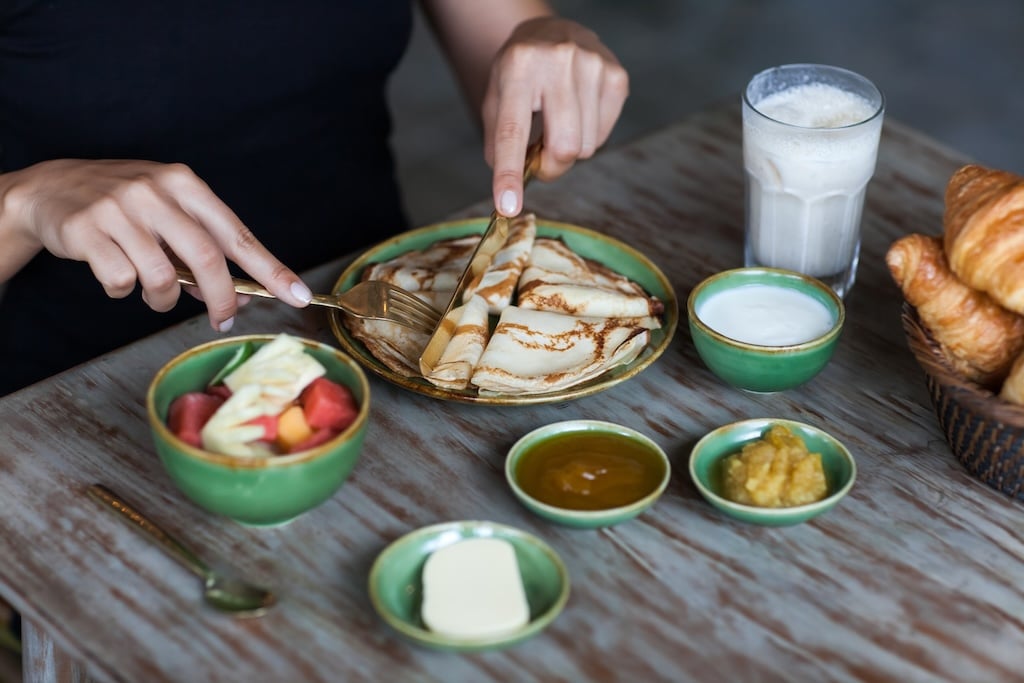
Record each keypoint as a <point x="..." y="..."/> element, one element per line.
<point x="589" y="436"/>
<point x="752" y="367"/>
<point x="396" y="588"/>
<point x="708" y="454"/>
<point x="254" y="491"/>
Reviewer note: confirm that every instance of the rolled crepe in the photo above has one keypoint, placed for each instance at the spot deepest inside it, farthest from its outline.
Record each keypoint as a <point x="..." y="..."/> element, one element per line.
<point x="459" y="358"/>
<point x="436" y="268"/>
<point x="431" y="274"/>
<point x="497" y="285"/>
<point x="558" y="279"/>
<point x="532" y="352"/>
<point x="396" y="346"/>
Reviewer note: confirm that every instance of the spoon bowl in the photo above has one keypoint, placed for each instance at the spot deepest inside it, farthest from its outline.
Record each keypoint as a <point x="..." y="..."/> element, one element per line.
<point x="238" y="597"/>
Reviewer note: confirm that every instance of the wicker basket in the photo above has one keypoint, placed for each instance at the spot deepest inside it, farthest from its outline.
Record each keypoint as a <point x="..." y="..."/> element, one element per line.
<point x="985" y="433"/>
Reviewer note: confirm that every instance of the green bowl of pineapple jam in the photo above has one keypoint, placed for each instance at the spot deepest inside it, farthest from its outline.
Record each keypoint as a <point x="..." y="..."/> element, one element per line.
<point x="765" y="329"/>
<point x="587" y="473"/>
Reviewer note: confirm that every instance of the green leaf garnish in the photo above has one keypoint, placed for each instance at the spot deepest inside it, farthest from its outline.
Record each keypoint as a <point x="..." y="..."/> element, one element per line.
<point x="241" y="355"/>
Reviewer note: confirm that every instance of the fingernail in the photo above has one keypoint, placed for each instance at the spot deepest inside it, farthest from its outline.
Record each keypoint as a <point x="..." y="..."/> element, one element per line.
<point x="301" y="292"/>
<point x="226" y="325"/>
<point x="508" y="203"/>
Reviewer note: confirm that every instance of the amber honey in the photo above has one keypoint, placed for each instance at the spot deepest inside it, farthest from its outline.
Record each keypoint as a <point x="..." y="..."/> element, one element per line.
<point x="589" y="470"/>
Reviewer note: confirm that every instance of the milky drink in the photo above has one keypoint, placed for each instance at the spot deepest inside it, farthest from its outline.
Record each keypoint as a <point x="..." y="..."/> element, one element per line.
<point x="809" y="150"/>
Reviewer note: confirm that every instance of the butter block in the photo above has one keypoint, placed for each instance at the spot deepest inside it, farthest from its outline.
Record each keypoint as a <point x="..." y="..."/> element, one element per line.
<point x="472" y="589"/>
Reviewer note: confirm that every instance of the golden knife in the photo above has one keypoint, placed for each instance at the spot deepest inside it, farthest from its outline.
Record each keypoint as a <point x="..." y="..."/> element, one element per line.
<point x="490" y="244"/>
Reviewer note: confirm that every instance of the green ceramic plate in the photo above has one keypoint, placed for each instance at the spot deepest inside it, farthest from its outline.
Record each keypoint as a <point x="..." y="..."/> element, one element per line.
<point x="593" y="245"/>
<point x="396" y="589"/>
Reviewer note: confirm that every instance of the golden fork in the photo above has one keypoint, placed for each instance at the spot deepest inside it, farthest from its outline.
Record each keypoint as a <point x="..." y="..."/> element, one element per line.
<point x="369" y="299"/>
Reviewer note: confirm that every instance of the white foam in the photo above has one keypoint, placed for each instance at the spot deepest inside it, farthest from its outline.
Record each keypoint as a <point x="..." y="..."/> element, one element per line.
<point x="816" y="105"/>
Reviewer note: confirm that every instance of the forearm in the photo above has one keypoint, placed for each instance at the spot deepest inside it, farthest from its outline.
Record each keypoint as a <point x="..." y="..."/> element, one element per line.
<point x="471" y="33"/>
<point x="17" y="244"/>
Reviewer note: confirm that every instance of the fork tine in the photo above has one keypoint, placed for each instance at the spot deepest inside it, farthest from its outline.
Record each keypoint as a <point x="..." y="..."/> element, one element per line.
<point x="403" y="307"/>
<point x="413" y="320"/>
<point x="400" y="319"/>
<point x="427" y="315"/>
<point x="379" y="300"/>
<point x="408" y="297"/>
<point x="414" y="306"/>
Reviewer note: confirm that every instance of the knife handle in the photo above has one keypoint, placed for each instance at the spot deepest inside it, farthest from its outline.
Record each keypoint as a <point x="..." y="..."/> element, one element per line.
<point x="532" y="163"/>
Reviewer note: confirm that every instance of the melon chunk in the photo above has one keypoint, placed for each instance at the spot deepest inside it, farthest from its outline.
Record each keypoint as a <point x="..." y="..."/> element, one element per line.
<point x="292" y="428"/>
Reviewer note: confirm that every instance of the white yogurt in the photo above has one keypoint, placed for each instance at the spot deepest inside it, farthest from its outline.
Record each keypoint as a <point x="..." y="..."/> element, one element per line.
<point x="765" y="315"/>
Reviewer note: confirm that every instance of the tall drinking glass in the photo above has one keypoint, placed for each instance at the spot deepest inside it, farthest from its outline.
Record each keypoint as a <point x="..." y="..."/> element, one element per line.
<point x="810" y="141"/>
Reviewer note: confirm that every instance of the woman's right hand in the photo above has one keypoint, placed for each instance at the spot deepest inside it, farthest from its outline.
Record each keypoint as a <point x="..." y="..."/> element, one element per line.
<point x="125" y="219"/>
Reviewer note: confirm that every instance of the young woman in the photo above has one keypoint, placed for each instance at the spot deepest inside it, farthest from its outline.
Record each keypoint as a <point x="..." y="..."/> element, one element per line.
<point x="246" y="134"/>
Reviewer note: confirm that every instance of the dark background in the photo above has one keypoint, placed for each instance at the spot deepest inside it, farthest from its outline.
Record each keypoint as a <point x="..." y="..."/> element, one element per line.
<point x="947" y="67"/>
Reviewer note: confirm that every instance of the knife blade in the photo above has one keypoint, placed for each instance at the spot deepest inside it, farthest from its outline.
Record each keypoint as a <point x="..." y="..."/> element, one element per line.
<point x="493" y="240"/>
<point x="490" y="244"/>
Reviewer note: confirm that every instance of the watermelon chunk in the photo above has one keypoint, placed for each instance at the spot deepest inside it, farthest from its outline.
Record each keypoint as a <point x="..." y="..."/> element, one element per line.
<point x="269" y="424"/>
<point x="219" y="390"/>
<point x="328" y="405"/>
<point x="320" y="436"/>
<point x="189" y="412"/>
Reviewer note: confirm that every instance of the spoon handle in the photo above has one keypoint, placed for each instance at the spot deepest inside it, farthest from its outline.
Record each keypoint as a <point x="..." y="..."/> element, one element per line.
<point x="136" y="519"/>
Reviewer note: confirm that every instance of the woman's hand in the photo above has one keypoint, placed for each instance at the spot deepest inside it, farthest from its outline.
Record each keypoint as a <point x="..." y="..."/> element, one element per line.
<point x="562" y="70"/>
<point x="515" y="59"/>
<point x="127" y="219"/>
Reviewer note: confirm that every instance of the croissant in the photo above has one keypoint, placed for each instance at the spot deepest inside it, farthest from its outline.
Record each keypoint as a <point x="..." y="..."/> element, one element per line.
<point x="984" y="232"/>
<point x="979" y="338"/>
<point x="1013" y="387"/>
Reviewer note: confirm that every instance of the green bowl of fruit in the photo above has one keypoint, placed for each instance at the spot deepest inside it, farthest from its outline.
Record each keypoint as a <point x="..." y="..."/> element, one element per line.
<point x="260" y="428"/>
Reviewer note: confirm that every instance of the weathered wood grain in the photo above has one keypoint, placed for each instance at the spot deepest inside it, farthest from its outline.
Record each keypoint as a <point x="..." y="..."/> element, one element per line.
<point x="44" y="661"/>
<point x="917" y="576"/>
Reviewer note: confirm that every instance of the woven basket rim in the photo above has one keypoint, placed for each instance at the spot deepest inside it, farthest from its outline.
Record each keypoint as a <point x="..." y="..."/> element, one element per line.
<point x="969" y="395"/>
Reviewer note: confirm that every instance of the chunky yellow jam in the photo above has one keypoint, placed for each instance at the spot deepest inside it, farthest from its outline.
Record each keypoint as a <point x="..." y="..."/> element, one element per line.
<point x="775" y="471"/>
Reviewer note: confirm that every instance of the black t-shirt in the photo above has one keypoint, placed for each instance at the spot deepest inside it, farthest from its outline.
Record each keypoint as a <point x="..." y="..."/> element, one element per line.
<point x="279" y="106"/>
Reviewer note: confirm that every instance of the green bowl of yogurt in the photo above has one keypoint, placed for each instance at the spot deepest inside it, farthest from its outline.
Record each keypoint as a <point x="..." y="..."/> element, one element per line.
<point x="764" y="329"/>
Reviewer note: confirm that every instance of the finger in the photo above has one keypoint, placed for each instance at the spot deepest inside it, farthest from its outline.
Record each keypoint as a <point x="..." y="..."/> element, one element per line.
<point x="157" y="225"/>
<point x="562" y="130"/>
<point x="200" y="253"/>
<point x="113" y="270"/>
<point x="614" y="91"/>
<point x="236" y="241"/>
<point x="109" y="264"/>
<point x="489" y="113"/>
<point x="243" y="299"/>
<point x="589" y="79"/>
<point x="510" y="135"/>
<point x="160" y="288"/>
<point x="193" y="292"/>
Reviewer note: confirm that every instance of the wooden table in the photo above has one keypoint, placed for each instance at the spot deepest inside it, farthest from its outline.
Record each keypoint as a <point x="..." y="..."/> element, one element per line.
<point x="916" y="576"/>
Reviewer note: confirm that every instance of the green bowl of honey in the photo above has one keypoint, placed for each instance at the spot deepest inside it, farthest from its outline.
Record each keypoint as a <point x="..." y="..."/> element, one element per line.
<point x="587" y="473"/>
